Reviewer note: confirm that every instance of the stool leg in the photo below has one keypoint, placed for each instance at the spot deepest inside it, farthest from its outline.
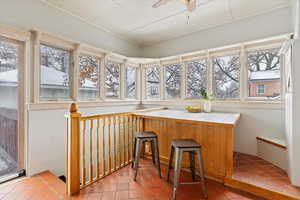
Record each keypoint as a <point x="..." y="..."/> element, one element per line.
<point x="192" y="163"/>
<point x="153" y="151"/>
<point x="170" y="163"/>
<point x="201" y="166"/>
<point x="133" y="153"/>
<point x="155" y="145"/>
<point x="178" y="159"/>
<point x="137" y="157"/>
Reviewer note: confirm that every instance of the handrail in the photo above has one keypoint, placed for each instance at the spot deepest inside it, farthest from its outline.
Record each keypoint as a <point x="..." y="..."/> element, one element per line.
<point x="90" y="117"/>
<point x="104" y="141"/>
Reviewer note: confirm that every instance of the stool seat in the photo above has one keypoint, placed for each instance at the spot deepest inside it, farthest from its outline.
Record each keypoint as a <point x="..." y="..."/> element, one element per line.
<point x="146" y="134"/>
<point x="185" y="143"/>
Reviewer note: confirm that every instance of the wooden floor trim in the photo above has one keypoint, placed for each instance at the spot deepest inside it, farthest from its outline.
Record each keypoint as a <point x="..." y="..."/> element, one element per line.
<point x="259" y="191"/>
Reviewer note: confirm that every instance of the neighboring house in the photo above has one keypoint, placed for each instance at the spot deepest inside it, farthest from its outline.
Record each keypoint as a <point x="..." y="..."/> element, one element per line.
<point x="264" y="84"/>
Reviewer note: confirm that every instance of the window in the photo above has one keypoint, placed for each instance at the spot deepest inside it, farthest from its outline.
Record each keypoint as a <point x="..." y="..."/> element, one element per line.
<point x="226" y="77"/>
<point x="261" y="89"/>
<point x="264" y="69"/>
<point x="54" y="73"/>
<point x="196" y="78"/>
<point x="172" y="82"/>
<point x="152" y="82"/>
<point x="112" y="80"/>
<point x="88" y="77"/>
<point x="130" y="79"/>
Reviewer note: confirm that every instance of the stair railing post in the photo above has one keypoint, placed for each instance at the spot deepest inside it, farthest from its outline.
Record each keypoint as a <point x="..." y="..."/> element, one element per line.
<point x="73" y="156"/>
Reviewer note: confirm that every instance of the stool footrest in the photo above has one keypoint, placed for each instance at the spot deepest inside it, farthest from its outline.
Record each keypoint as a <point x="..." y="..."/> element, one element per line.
<point x="190" y="183"/>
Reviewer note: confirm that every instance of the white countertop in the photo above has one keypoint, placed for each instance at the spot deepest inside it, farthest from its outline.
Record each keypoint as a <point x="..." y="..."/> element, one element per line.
<point x="219" y="118"/>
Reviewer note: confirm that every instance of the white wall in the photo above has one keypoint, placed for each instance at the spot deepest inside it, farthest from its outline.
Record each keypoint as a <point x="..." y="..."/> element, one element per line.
<point x="35" y="14"/>
<point x="253" y="28"/>
<point x="47" y="138"/>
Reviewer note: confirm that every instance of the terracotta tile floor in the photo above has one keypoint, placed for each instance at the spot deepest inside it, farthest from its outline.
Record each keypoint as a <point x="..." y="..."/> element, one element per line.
<point x="254" y="170"/>
<point x="118" y="186"/>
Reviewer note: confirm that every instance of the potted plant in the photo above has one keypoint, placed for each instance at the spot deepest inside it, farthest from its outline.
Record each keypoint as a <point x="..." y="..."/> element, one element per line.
<point x="207" y="100"/>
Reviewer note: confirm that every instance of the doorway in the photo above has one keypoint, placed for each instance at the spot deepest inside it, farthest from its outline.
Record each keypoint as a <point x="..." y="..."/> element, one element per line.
<point x="11" y="108"/>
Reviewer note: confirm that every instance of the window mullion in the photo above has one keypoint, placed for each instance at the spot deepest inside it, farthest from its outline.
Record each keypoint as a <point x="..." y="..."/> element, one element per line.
<point x="243" y="75"/>
<point x="75" y="73"/>
<point x="162" y="81"/>
<point x="209" y="73"/>
<point x="36" y="69"/>
<point x="182" y="79"/>
<point x="103" y="63"/>
<point x="122" y="80"/>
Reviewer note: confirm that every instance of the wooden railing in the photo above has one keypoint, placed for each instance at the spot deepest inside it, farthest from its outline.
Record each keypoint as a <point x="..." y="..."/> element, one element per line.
<point x="99" y="145"/>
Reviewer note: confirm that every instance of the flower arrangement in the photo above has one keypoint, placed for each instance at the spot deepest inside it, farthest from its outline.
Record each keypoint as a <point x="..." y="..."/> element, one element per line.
<point x="205" y="95"/>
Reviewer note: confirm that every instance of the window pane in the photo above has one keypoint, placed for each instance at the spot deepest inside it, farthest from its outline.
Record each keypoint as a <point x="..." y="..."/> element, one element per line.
<point x="152" y="82"/>
<point x="112" y="80"/>
<point x="196" y="78"/>
<point x="130" y="90"/>
<point x="88" y="77"/>
<point x="226" y="76"/>
<point x="173" y="81"/>
<point x="55" y="72"/>
<point x="264" y="74"/>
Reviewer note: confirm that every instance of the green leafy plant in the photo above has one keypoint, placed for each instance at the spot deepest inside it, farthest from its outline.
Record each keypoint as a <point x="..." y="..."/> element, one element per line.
<point x="205" y="95"/>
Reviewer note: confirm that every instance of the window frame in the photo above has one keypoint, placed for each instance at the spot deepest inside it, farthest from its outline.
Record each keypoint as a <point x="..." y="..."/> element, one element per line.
<point x="181" y="66"/>
<point x="160" y="70"/>
<point x="186" y="62"/>
<point x="265" y="47"/>
<point x="120" y="66"/>
<point x="258" y="89"/>
<point x="223" y="54"/>
<point x="71" y="72"/>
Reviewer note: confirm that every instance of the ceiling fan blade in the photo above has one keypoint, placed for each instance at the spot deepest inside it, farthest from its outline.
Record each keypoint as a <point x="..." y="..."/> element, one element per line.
<point x="191" y="5"/>
<point x="159" y="3"/>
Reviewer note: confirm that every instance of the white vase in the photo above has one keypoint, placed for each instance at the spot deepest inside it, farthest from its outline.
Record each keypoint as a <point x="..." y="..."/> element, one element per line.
<point x="207" y="106"/>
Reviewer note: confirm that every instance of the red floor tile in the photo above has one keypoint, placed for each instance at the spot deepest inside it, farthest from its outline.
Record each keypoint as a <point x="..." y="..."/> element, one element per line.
<point x="254" y="170"/>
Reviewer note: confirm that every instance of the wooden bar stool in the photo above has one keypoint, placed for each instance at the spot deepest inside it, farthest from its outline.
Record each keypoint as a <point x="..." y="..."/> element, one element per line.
<point x="139" y="139"/>
<point x="191" y="146"/>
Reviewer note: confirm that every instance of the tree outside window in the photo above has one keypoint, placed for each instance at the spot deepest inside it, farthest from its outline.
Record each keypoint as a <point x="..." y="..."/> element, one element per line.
<point x="196" y="78"/>
<point x="88" y="77"/>
<point x="112" y="80"/>
<point x="226" y="76"/>
<point x="172" y="82"/>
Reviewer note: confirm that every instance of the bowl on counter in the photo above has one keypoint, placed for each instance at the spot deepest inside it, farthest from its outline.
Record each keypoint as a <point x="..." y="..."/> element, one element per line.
<point x="193" y="109"/>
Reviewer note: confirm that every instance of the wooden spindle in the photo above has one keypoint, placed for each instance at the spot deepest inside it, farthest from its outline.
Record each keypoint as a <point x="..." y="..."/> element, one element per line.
<point x="83" y="154"/>
<point x="115" y="144"/>
<point x="108" y="149"/>
<point x="98" y="150"/>
<point x="119" y="140"/>
<point x="131" y="137"/>
<point x="103" y="148"/>
<point x="124" y="139"/>
<point x="73" y="156"/>
<point x="91" y="151"/>
<point x="127" y="133"/>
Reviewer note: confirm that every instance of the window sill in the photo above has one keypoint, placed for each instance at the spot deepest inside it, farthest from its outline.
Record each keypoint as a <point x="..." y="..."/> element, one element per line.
<point x="81" y="104"/>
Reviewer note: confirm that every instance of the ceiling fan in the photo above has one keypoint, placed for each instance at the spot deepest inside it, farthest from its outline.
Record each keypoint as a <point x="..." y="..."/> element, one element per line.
<point x="190" y="4"/>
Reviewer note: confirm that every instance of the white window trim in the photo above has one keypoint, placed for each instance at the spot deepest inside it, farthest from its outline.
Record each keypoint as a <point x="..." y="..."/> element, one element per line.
<point x="127" y="65"/>
<point x="182" y="79"/>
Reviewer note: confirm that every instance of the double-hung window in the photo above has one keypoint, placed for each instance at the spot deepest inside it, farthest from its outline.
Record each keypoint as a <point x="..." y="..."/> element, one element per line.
<point x="55" y="71"/>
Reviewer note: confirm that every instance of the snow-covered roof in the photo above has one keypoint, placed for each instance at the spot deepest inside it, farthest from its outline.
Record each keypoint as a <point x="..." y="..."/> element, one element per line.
<point x="49" y="76"/>
<point x="265" y="75"/>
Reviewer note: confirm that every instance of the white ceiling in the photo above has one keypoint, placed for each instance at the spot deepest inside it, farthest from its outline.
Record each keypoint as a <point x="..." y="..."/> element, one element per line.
<point x="137" y="21"/>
